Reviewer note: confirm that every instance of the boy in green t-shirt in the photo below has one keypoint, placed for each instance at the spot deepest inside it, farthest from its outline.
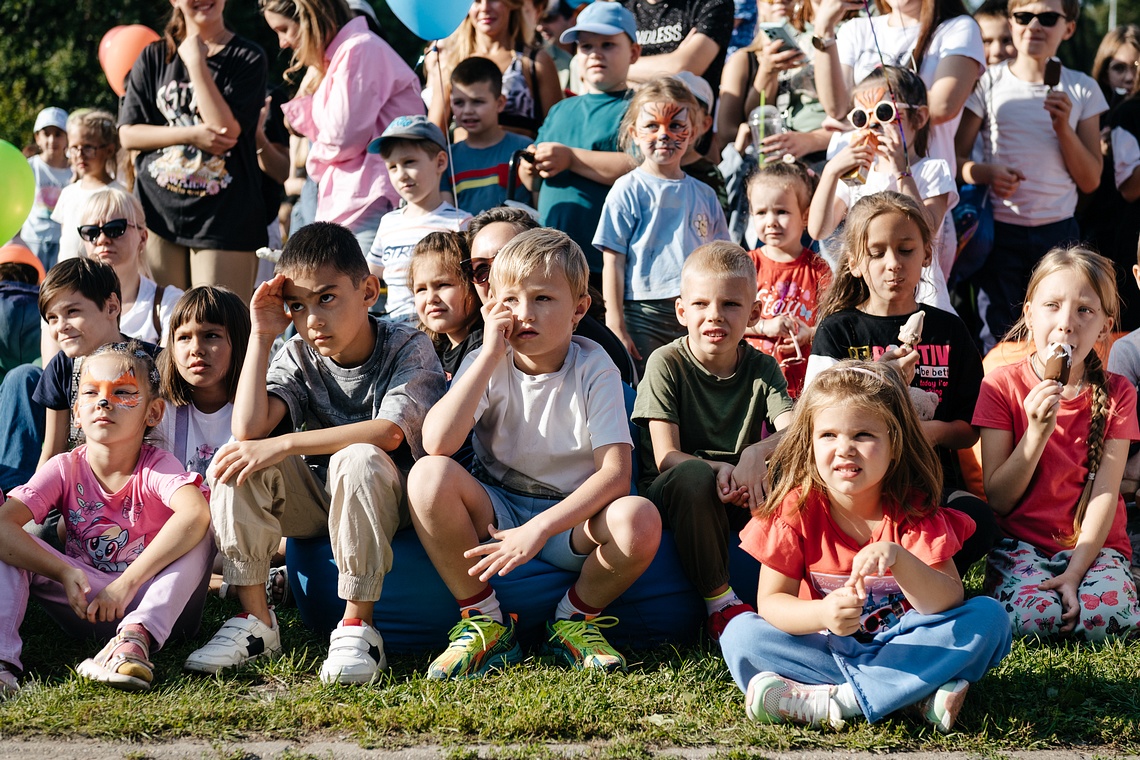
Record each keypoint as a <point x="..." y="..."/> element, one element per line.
<point x="703" y="406"/>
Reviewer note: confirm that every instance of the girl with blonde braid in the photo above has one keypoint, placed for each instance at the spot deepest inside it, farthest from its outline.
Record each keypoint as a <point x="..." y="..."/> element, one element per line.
<point x="1055" y="440"/>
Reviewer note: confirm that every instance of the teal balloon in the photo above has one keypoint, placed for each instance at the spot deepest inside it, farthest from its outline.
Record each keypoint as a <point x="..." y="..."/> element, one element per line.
<point x="17" y="190"/>
<point x="431" y="19"/>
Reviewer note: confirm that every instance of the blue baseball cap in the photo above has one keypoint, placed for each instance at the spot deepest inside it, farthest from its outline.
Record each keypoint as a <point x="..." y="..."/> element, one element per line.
<point x="410" y="128"/>
<point x="602" y="18"/>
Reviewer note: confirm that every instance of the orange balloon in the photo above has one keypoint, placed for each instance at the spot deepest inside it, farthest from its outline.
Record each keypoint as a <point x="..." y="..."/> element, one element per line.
<point x="119" y="49"/>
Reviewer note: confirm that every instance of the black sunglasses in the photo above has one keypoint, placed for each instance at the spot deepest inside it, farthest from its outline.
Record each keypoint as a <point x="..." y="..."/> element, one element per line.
<point x="115" y="228"/>
<point x="1047" y="19"/>
<point x="479" y="273"/>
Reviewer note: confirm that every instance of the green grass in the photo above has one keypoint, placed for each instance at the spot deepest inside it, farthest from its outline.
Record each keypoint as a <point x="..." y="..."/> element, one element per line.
<point x="1042" y="696"/>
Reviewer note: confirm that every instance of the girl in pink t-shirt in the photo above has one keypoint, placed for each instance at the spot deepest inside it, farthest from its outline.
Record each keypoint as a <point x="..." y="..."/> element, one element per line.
<point x="1054" y="446"/>
<point x="857" y="570"/>
<point x="138" y="548"/>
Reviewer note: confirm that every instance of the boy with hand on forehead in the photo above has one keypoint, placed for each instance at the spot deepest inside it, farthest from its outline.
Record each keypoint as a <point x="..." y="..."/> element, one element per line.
<point x="552" y="473"/>
<point x="355" y="390"/>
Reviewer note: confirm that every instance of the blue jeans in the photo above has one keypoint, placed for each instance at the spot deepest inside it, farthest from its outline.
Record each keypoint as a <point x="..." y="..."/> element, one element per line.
<point x="1005" y="275"/>
<point x="23" y="421"/>
<point x="899" y="667"/>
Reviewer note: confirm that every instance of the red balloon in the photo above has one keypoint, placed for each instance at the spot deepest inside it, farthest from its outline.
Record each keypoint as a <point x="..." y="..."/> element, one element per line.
<point x="119" y="49"/>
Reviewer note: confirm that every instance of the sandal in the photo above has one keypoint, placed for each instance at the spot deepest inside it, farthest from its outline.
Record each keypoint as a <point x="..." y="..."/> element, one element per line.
<point x="277" y="587"/>
<point x="116" y="665"/>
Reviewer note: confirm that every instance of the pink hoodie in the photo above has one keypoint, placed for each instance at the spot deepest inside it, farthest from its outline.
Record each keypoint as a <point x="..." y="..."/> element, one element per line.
<point x="366" y="85"/>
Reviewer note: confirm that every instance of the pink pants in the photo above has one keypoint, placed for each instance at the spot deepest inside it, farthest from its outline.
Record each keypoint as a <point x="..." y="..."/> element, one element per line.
<point x="170" y="601"/>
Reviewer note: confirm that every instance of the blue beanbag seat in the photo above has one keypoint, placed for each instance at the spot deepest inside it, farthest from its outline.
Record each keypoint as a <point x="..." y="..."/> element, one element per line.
<point x="416" y="611"/>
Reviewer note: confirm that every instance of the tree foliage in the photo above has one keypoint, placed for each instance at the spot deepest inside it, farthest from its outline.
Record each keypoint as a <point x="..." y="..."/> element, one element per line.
<point x="49" y="51"/>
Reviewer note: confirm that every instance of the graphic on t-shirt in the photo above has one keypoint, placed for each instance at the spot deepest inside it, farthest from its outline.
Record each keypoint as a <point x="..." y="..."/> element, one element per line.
<point x="101" y="541"/>
<point x="933" y="370"/>
<point x="884" y="607"/>
<point x="200" y="462"/>
<point x="701" y="224"/>
<point x="46" y="198"/>
<point x="787" y="297"/>
<point x="184" y="169"/>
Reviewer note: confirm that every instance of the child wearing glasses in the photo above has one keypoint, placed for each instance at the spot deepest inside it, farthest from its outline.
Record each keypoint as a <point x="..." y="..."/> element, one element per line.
<point x="1030" y="129"/>
<point x="93" y="147"/>
<point x="892" y="152"/>
<point x="113" y="230"/>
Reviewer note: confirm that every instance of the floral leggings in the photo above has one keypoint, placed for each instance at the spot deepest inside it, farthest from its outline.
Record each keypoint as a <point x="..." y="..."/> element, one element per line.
<point x="1107" y="594"/>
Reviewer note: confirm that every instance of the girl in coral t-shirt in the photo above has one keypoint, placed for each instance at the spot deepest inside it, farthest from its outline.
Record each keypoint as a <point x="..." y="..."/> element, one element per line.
<point x="857" y="568"/>
<point x="1053" y="454"/>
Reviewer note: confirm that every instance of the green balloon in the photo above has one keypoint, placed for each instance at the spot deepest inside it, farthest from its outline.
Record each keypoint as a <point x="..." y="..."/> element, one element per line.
<point x="17" y="190"/>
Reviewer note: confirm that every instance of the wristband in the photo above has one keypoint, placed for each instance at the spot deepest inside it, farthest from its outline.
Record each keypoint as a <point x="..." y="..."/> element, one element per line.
<point x="901" y="175"/>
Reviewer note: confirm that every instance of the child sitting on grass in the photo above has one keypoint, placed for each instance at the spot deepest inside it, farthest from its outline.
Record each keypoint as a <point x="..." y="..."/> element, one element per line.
<point x="852" y="543"/>
<point x="701" y="470"/>
<point x="553" y="452"/>
<point x="138" y="547"/>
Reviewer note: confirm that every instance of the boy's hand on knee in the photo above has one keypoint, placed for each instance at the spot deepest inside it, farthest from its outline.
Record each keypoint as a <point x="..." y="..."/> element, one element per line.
<point x="727" y="489"/>
<point x="515" y="547"/>
<point x="77" y="587"/>
<point x="1066" y="587"/>
<point x="239" y="459"/>
<point x="111" y="603"/>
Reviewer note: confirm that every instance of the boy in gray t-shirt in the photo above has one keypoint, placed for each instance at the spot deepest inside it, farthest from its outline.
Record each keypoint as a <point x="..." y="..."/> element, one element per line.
<point x="356" y="391"/>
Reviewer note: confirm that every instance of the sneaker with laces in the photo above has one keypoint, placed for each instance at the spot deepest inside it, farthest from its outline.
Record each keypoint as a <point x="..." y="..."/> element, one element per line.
<point x="9" y="683"/>
<point x="941" y="708"/>
<point x="719" y="619"/>
<point x="120" y="664"/>
<point x="771" y="698"/>
<point x="241" y="639"/>
<point x="478" y="644"/>
<point x="579" y="643"/>
<point x="356" y="654"/>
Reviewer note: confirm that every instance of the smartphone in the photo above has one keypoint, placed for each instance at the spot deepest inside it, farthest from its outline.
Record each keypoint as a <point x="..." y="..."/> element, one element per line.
<point x="779" y="30"/>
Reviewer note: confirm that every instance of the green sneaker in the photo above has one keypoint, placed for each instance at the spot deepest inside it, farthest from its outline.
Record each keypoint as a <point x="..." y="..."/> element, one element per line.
<point x="941" y="708"/>
<point x="478" y="644"/>
<point x="579" y="642"/>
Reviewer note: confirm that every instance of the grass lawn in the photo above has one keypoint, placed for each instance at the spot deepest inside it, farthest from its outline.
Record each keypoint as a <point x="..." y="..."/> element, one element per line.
<point x="1042" y="696"/>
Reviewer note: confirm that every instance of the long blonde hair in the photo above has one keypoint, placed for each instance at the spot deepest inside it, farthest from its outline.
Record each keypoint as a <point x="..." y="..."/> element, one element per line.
<point x="847" y="290"/>
<point x="461" y="44"/>
<point x="1100" y="274"/>
<point x="319" y="22"/>
<point x="877" y="388"/>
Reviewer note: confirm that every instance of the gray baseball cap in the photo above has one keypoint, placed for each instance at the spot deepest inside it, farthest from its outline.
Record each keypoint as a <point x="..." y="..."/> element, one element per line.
<point x="410" y="128"/>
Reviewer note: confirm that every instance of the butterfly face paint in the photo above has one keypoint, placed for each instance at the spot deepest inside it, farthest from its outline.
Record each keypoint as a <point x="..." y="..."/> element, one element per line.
<point x="663" y="131"/>
<point x="101" y="387"/>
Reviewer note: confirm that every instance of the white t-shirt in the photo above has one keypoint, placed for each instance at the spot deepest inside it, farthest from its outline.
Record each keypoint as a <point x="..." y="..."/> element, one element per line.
<point x="957" y="36"/>
<point x="68" y="214"/>
<point x="50" y="181"/>
<point x="933" y="177"/>
<point x="392" y="249"/>
<point x="139" y="321"/>
<point x="1125" y="154"/>
<point x="1017" y="131"/>
<point x="205" y="434"/>
<point x="539" y="432"/>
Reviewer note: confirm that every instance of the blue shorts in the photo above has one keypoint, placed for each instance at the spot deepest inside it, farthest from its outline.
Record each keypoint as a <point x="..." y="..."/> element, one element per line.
<point x="513" y="509"/>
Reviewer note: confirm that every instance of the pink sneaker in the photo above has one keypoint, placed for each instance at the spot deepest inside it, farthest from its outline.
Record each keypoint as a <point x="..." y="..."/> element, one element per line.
<point x="771" y="698"/>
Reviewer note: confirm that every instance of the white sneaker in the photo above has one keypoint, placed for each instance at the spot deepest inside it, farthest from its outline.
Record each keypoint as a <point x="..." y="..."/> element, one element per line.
<point x="356" y="654"/>
<point x="771" y="698"/>
<point x="9" y="683"/>
<point x="240" y="640"/>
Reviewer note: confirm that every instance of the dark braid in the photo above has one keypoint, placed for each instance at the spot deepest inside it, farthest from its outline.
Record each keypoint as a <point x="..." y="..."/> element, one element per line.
<point x="1098" y="383"/>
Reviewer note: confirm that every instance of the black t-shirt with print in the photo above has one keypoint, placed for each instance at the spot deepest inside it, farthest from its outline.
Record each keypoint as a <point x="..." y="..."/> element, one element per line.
<point x="662" y="26"/>
<point x="193" y="198"/>
<point x="949" y="363"/>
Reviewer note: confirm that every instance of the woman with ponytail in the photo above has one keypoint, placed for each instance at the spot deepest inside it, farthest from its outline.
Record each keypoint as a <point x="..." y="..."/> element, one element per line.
<point x="191" y="112"/>
<point x="1055" y="433"/>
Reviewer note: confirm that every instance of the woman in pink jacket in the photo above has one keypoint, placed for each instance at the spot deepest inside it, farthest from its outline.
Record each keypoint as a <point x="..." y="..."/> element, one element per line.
<point x="354" y="86"/>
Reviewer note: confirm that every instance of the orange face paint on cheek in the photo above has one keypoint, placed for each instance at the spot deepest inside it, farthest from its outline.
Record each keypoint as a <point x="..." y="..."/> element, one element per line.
<point x="871" y="97"/>
<point x="664" y="121"/>
<point x="108" y="390"/>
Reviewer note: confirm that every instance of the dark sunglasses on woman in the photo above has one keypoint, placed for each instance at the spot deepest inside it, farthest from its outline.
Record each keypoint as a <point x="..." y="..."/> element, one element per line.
<point x="1047" y="19"/>
<point x="115" y="228"/>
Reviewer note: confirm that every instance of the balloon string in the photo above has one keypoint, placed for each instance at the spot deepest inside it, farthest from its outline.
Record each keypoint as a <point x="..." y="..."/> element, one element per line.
<point x="887" y="79"/>
<point x="446" y="132"/>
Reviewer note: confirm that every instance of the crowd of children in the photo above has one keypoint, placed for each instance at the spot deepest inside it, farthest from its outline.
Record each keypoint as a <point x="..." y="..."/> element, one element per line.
<point x="813" y="403"/>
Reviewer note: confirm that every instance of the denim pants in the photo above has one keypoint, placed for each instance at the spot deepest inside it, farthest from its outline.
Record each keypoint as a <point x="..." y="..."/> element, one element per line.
<point x="1005" y="275"/>
<point x="899" y="667"/>
<point x="23" y="421"/>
